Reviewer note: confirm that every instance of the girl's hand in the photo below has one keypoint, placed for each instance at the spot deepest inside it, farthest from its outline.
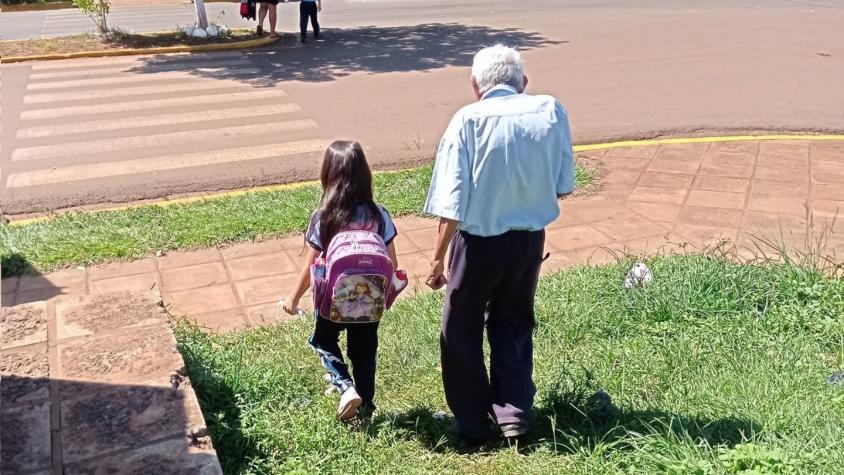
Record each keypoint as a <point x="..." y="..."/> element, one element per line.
<point x="291" y="306"/>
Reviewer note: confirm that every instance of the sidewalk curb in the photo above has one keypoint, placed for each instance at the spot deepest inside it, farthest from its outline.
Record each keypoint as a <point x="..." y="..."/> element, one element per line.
<point x="577" y="148"/>
<point x="139" y="51"/>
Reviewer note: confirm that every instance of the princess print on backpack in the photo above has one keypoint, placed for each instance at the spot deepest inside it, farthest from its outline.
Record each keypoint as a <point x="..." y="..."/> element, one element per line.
<point x="351" y="268"/>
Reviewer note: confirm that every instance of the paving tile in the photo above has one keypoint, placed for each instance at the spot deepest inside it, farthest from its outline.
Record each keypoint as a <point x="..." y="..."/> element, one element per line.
<point x="260" y="265"/>
<point x="599" y="209"/>
<point x="708" y="216"/>
<point x="705" y="236"/>
<point x="424" y="239"/>
<point x="410" y="223"/>
<point x="144" y="355"/>
<point x="87" y="315"/>
<point x="784" y="149"/>
<point x="557" y="261"/>
<point x="566" y="218"/>
<point x="121" y="269"/>
<point x="721" y="183"/>
<point x="629" y="227"/>
<point x="25" y="438"/>
<point x="592" y="256"/>
<point x="727" y="164"/>
<point x="791" y="175"/>
<point x="674" y="165"/>
<point x="176" y="259"/>
<point x="642" y="151"/>
<point x="622" y="176"/>
<point x="691" y="151"/>
<point x="221" y="321"/>
<point x="202" y="300"/>
<point x="618" y="191"/>
<point x="629" y="163"/>
<point x="831" y="151"/>
<point x="670" y="180"/>
<point x="124" y="417"/>
<point x="773" y="244"/>
<point x="23" y="325"/>
<point x="180" y="455"/>
<point x="656" y="211"/>
<point x="828" y="208"/>
<point x="828" y="192"/>
<point x="404" y="245"/>
<point x="41" y="295"/>
<point x="659" y="195"/>
<point x="201" y="275"/>
<point x="766" y="222"/>
<point x="776" y="204"/>
<point x="735" y="147"/>
<point x="572" y="237"/>
<point x="10" y="284"/>
<point x="778" y="189"/>
<point x="658" y="244"/>
<point x="716" y="199"/>
<point x="7" y="300"/>
<point x="264" y="289"/>
<point x="25" y="376"/>
<point x="252" y="248"/>
<point x="831" y="172"/>
<point x="128" y="283"/>
<point x="63" y="281"/>
<point x="268" y="314"/>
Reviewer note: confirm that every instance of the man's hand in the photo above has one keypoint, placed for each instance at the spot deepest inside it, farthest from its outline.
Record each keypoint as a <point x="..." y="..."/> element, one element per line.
<point x="436" y="278"/>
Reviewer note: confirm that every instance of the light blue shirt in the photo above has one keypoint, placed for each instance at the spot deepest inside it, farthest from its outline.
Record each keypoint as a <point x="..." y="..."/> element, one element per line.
<point x="501" y="164"/>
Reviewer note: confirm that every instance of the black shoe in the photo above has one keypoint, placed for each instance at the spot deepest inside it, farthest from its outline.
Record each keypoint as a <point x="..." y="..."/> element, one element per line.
<point x="318" y="37"/>
<point x="302" y="40"/>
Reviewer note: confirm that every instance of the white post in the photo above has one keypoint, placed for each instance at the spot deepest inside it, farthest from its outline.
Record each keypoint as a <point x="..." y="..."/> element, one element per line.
<point x="201" y="17"/>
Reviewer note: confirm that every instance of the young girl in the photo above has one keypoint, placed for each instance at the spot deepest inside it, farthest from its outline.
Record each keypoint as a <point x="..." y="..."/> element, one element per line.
<point x="346" y="204"/>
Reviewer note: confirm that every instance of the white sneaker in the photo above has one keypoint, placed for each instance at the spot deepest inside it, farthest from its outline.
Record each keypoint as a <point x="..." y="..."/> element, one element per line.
<point x="349" y="404"/>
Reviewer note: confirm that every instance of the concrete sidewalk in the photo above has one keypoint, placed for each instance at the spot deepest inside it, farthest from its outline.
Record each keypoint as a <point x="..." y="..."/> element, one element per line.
<point x="80" y="340"/>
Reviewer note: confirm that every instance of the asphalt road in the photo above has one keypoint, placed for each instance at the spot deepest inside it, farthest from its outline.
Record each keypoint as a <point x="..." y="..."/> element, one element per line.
<point x="391" y="73"/>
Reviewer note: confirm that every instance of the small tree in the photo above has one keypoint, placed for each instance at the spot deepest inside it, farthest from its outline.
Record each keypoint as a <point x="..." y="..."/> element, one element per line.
<point x="97" y="10"/>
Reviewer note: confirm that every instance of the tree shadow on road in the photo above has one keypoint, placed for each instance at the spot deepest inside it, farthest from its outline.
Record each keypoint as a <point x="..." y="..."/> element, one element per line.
<point x="371" y="49"/>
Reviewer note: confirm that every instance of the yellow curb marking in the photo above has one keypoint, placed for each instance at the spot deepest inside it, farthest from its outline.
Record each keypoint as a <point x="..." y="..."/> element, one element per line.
<point x="577" y="148"/>
<point x="138" y="51"/>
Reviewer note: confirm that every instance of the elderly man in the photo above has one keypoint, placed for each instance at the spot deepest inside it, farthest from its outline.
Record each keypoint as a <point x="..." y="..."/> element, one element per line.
<point x="501" y="166"/>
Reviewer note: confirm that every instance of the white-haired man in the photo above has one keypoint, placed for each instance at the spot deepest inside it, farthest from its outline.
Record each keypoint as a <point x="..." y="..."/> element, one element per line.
<point x="501" y="166"/>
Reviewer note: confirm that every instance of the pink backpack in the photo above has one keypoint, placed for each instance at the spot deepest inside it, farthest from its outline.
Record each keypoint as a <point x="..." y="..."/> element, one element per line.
<point x="353" y="283"/>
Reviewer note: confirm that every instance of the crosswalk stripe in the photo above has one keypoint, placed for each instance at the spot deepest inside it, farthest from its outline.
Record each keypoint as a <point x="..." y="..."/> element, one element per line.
<point x="127" y="91"/>
<point x="148" y="68"/>
<point x="110" y="62"/>
<point x="128" y="81"/>
<point x="222" y="99"/>
<point x="157" y="140"/>
<point x="128" y="167"/>
<point x="130" y="122"/>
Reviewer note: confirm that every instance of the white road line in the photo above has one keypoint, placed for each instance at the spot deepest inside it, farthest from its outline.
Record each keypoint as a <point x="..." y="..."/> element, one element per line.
<point x="129" y="167"/>
<point x="147" y="68"/>
<point x="130" y="79"/>
<point x="157" y="140"/>
<point x="110" y="62"/>
<point x="221" y="99"/>
<point x="128" y="91"/>
<point x="129" y="122"/>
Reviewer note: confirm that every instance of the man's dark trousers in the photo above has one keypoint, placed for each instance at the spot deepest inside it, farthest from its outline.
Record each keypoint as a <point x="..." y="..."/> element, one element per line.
<point x="492" y="283"/>
<point x="308" y="10"/>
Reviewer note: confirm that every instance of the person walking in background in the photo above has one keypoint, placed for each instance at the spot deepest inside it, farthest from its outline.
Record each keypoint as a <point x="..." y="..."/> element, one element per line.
<point x="270" y="6"/>
<point x="501" y="166"/>
<point x="308" y="9"/>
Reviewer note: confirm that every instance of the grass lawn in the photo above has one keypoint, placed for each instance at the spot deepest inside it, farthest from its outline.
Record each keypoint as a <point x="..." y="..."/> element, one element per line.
<point x="88" y="238"/>
<point x="113" y="41"/>
<point x="715" y="368"/>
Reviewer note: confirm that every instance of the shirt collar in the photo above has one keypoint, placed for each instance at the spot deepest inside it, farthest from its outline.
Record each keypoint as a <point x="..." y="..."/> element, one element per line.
<point x="500" y="90"/>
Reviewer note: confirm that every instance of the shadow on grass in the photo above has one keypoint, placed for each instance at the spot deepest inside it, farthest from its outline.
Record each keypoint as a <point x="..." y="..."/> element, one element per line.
<point x="369" y="49"/>
<point x="22" y="283"/>
<point x="566" y="419"/>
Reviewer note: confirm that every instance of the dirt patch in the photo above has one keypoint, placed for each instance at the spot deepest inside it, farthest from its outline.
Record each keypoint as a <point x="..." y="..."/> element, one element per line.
<point x="29" y="7"/>
<point x="24" y="324"/>
<point x="594" y="162"/>
<point x="109" y="312"/>
<point x="25" y="377"/>
<point x="114" y="41"/>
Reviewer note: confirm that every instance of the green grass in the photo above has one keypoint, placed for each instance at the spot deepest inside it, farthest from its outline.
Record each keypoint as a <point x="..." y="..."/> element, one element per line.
<point x="716" y="367"/>
<point x="96" y="237"/>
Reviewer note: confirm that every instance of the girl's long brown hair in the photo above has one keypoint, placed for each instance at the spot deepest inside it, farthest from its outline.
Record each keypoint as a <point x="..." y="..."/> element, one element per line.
<point x="346" y="190"/>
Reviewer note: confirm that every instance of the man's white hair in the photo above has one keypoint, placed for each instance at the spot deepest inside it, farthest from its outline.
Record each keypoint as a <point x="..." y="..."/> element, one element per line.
<point x="498" y="65"/>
